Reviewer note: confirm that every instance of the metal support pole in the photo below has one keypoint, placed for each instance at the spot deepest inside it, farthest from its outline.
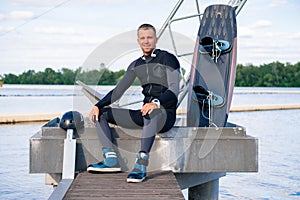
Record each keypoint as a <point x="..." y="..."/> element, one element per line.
<point x="69" y="156"/>
<point x="205" y="191"/>
<point x="68" y="172"/>
<point x="164" y="26"/>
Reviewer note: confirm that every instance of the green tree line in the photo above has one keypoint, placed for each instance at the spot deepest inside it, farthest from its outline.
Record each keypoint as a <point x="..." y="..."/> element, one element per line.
<point x="64" y="77"/>
<point x="274" y="74"/>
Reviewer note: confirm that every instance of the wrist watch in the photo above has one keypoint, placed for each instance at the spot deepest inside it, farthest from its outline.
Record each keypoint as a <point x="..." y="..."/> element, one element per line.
<point x="157" y="102"/>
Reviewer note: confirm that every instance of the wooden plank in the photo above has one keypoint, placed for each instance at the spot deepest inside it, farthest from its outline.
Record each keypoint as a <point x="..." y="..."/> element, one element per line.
<point x="43" y="117"/>
<point x="265" y="107"/>
<point x="158" y="185"/>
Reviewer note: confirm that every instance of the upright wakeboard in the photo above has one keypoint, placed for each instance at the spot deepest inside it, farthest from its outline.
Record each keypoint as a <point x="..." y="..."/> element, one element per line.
<point x="213" y="70"/>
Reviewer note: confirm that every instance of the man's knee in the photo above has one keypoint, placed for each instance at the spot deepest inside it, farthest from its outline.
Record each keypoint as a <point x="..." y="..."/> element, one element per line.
<point x="153" y="114"/>
<point x="103" y="114"/>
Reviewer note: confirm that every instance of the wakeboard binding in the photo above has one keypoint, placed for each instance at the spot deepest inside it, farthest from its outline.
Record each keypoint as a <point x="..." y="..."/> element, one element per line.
<point x="214" y="47"/>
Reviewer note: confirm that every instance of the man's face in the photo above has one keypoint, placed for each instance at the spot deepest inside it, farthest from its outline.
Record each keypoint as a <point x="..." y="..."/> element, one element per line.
<point x="147" y="40"/>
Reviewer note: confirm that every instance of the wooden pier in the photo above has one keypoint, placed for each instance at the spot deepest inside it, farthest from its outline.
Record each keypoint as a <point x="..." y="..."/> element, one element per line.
<point x="158" y="185"/>
<point x="21" y="118"/>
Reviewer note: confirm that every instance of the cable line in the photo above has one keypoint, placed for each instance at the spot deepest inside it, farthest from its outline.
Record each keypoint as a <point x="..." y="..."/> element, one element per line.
<point x="34" y="18"/>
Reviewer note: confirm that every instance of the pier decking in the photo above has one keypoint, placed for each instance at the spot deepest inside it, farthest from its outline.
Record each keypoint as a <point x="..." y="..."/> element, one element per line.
<point x="158" y="185"/>
<point x="46" y="117"/>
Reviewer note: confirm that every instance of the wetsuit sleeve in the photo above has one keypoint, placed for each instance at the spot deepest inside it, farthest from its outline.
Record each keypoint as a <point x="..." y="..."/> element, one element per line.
<point x="119" y="90"/>
<point x="169" y="97"/>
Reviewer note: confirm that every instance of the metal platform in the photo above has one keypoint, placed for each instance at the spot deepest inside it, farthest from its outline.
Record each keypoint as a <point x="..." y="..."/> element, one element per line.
<point x="182" y="149"/>
<point x="198" y="157"/>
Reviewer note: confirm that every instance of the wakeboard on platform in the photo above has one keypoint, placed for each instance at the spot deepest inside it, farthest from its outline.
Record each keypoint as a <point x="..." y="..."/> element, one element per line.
<point x="213" y="69"/>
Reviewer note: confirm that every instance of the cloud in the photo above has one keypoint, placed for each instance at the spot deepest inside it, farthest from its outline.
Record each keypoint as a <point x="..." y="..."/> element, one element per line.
<point x="96" y="1"/>
<point x="294" y="35"/>
<point x="83" y="41"/>
<point x="57" y="30"/>
<point x="33" y="3"/>
<point x="271" y="35"/>
<point x="262" y="24"/>
<point x="21" y="15"/>
<point x="2" y="17"/>
<point x="6" y="29"/>
<point x="246" y="32"/>
<point x="251" y="30"/>
<point x="51" y="3"/>
<point x="278" y="3"/>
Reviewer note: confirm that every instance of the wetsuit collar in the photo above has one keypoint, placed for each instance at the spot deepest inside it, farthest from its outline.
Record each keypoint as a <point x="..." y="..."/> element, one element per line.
<point x="153" y="55"/>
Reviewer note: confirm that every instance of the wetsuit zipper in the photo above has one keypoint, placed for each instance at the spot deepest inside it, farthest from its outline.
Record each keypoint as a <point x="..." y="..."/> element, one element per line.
<point x="148" y="79"/>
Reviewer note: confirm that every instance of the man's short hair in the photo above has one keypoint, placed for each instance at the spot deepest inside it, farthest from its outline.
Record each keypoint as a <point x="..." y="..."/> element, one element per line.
<point x="146" y="27"/>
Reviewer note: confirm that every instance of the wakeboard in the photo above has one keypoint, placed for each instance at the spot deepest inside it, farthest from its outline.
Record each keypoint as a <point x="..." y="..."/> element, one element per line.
<point x="213" y="68"/>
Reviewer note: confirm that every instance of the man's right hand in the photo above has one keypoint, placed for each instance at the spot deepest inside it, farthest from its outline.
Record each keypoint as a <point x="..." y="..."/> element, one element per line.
<point x="94" y="115"/>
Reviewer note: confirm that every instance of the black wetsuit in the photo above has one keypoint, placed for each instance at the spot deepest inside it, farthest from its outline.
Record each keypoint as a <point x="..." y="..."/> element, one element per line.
<point x="159" y="78"/>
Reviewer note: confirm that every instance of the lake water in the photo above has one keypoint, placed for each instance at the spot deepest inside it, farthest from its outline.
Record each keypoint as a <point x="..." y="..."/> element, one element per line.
<point x="16" y="182"/>
<point x="278" y="133"/>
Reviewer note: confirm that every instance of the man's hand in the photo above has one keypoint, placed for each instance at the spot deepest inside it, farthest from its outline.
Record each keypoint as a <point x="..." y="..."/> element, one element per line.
<point x="94" y="115"/>
<point x="148" y="108"/>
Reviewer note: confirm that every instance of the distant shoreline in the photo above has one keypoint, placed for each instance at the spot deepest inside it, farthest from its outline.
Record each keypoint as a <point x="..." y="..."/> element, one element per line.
<point x="44" y="117"/>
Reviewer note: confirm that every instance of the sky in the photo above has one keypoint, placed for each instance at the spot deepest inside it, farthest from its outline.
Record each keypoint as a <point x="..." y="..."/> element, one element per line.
<point x="36" y="34"/>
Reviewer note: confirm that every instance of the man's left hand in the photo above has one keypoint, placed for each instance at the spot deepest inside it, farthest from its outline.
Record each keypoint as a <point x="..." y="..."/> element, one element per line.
<point x="148" y="108"/>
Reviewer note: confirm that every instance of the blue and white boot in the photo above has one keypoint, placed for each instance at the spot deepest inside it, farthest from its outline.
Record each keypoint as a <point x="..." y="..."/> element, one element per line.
<point x="138" y="174"/>
<point x="110" y="163"/>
